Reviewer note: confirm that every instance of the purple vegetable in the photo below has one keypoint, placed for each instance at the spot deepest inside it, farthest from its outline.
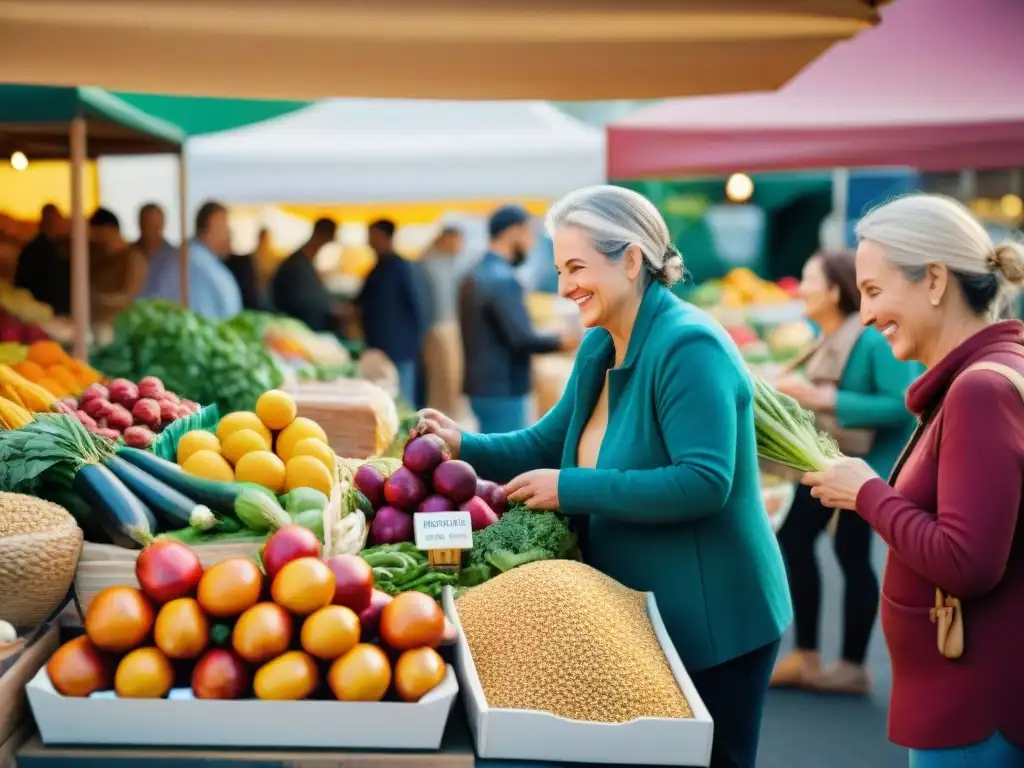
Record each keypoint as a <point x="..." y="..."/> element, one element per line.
<point x="390" y="526"/>
<point x="480" y="513"/>
<point x="493" y="494"/>
<point x="435" y="502"/>
<point x="422" y="454"/>
<point x="456" y="480"/>
<point x="370" y="482"/>
<point x="404" y="489"/>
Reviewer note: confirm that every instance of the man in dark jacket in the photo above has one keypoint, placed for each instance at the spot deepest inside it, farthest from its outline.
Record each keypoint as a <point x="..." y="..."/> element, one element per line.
<point x="392" y="306"/>
<point x="297" y="289"/>
<point x="498" y="337"/>
<point x="43" y="270"/>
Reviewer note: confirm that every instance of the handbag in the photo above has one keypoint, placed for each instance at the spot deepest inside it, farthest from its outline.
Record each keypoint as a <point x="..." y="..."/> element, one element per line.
<point x="948" y="613"/>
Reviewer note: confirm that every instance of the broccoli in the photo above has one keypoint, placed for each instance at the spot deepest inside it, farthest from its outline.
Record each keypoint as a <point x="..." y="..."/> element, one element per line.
<point x="522" y="536"/>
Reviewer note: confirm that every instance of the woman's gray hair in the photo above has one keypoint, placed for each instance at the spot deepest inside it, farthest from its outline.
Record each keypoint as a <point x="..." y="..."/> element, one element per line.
<point x="615" y="218"/>
<point x="921" y="229"/>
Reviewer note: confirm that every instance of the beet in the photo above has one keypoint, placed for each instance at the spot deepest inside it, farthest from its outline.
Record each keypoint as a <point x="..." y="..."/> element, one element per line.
<point x="151" y="387"/>
<point x="370" y="482"/>
<point x="480" y="513"/>
<point x="493" y="494"/>
<point x="369" y="618"/>
<point x="138" y="437"/>
<point x="456" y="480"/>
<point x="404" y="489"/>
<point x="435" y="502"/>
<point x="123" y="392"/>
<point x="93" y="392"/>
<point x="390" y="526"/>
<point x="422" y="454"/>
<point x="147" y="411"/>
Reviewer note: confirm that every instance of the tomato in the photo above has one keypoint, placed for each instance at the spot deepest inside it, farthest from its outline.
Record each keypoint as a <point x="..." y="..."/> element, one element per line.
<point x="181" y="630"/>
<point x="362" y="674"/>
<point x="220" y="674"/>
<point x="303" y="586"/>
<point x="145" y="673"/>
<point x="417" y="672"/>
<point x="289" y="677"/>
<point x="77" y="668"/>
<point x="118" y="619"/>
<point x="262" y="632"/>
<point x="230" y="587"/>
<point x="167" y="569"/>
<point x="412" y="620"/>
<point x="330" y="632"/>
<point x="353" y="581"/>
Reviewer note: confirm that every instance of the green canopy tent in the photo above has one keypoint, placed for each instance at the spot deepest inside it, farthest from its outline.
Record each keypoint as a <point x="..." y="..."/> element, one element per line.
<point x="78" y="123"/>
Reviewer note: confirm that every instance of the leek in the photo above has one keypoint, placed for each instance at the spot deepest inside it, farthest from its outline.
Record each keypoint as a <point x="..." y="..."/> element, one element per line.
<point x="786" y="433"/>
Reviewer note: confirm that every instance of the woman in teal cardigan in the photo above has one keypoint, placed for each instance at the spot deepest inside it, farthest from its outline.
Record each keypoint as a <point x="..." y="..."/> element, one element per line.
<point x="864" y="388"/>
<point x="653" y="443"/>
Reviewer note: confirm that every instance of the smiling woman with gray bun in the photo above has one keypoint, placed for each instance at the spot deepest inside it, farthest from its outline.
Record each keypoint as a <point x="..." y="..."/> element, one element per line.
<point x="652" y="445"/>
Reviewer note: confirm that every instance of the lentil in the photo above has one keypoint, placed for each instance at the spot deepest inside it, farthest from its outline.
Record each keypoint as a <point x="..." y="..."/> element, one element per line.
<point x="560" y="637"/>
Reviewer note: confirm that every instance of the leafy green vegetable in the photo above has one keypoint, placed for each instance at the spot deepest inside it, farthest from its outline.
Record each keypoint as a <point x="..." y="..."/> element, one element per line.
<point x="522" y="536"/>
<point x="48" y="451"/>
<point x="786" y="433"/>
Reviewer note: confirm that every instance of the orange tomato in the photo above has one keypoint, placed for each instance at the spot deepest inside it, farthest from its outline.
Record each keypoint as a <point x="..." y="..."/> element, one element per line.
<point x="262" y="632"/>
<point x="181" y="630"/>
<point x="289" y="677"/>
<point x="362" y="674"/>
<point x="145" y="673"/>
<point x="303" y="586"/>
<point x="417" y="672"/>
<point x="230" y="587"/>
<point x="412" y="620"/>
<point x="118" y="619"/>
<point x="330" y="632"/>
<point x="78" y="669"/>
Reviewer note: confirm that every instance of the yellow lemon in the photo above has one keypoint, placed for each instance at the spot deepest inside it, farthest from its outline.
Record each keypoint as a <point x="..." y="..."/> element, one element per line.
<point x="298" y="430"/>
<point x="312" y="446"/>
<point x="307" y="472"/>
<point x="244" y="441"/>
<point x="262" y="468"/>
<point x="276" y="409"/>
<point x="210" y="465"/>
<point x="239" y="420"/>
<point x="196" y="440"/>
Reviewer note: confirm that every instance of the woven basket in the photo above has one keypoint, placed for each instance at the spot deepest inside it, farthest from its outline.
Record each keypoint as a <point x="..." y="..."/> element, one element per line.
<point x="104" y="565"/>
<point x="38" y="556"/>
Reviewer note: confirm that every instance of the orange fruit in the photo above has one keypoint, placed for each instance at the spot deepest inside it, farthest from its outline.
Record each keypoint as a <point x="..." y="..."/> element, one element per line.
<point x="230" y="587"/>
<point x="145" y="673"/>
<point x="78" y="669"/>
<point x="362" y="674"/>
<point x="290" y="677"/>
<point x="303" y="586"/>
<point x="119" y="619"/>
<point x="181" y="630"/>
<point x="417" y="672"/>
<point x="412" y="620"/>
<point x="262" y="632"/>
<point x="330" y="632"/>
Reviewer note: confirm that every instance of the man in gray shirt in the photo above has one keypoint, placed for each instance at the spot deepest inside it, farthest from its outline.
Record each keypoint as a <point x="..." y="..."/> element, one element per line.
<point x="439" y="272"/>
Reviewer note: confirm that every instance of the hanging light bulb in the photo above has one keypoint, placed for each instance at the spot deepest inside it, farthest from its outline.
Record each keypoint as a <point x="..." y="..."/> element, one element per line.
<point x="739" y="188"/>
<point x="18" y="161"/>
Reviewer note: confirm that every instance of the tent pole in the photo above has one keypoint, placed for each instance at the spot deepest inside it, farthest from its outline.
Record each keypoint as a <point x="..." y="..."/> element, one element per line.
<point x="79" y="240"/>
<point x="841" y="204"/>
<point x="183" y="223"/>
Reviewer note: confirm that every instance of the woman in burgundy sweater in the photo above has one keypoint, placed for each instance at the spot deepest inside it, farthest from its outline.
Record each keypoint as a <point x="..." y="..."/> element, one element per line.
<point x="933" y="283"/>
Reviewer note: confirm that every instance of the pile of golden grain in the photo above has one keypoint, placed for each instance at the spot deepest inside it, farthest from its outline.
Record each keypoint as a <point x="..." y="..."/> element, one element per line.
<point x="560" y="637"/>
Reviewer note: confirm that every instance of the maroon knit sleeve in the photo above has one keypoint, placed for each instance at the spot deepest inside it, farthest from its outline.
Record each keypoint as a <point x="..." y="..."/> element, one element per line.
<point x="965" y="548"/>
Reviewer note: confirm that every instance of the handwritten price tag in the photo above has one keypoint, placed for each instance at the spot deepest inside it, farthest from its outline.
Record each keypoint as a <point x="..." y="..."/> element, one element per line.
<point x="442" y="530"/>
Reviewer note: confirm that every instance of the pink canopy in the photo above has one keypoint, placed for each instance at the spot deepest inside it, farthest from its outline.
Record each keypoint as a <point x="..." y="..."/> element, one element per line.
<point x="939" y="85"/>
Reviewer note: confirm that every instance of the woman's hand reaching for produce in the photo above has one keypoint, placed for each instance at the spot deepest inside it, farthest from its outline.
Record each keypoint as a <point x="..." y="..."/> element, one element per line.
<point x="810" y="396"/>
<point x="538" y="489"/>
<point x="436" y="423"/>
<point x="838" y="485"/>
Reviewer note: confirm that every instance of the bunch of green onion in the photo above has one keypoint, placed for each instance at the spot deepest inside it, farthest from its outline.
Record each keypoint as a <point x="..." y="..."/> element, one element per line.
<point x="787" y="434"/>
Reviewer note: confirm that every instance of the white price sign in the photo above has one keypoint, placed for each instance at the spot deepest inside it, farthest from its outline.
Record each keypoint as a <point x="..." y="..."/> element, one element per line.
<point x="442" y="530"/>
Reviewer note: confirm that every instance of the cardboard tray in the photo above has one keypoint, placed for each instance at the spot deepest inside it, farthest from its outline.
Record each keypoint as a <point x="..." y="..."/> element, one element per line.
<point x="182" y="721"/>
<point x="517" y="734"/>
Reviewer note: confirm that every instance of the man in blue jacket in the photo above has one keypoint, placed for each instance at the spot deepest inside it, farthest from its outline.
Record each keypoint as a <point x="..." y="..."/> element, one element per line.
<point x="498" y="337"/>
<point x="392" y="306"/>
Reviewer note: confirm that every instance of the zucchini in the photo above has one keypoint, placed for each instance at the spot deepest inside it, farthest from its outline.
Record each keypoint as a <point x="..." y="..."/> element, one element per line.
<point x="217" y="495"/>
<point x="175" y="509"/>
<point x="126" y="520"/>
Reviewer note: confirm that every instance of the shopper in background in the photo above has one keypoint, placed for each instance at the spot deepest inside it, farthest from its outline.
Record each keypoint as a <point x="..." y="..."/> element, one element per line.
<point x="653" y="443"/>
<point x="932" y="282"/>
<point x="442" y="351"/>
<point x="856" y="388"/>
<point x="43" y="270"/>
<point x="117" y="269"/>
<point x="160" y="254"/>
<point x="498" y="338"/>
<point x="245" y="268"/>
<point x="391" y="304"/>
<point x="298" y="290"/>
<point x="212" y="289"/>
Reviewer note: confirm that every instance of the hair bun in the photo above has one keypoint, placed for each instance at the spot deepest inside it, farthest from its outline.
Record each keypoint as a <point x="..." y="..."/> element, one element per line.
<point x="671" y="271"/>
<point x="1008" y="257"/>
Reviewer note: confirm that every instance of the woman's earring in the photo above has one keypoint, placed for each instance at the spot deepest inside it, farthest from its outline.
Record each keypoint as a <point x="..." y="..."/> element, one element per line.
<point x="935" y="302"/>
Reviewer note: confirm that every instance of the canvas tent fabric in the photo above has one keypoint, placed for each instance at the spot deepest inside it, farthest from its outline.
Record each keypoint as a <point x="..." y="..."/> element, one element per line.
<point x="468" y="49"/>
<point x="936" y="86"/>
<point x="197" y="115"/>
<point x="378" y="151"/>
